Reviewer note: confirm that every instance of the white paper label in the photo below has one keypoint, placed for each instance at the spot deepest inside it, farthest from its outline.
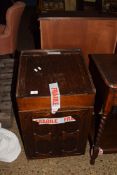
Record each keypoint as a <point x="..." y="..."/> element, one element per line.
<point x="100" y="151"/>
<point x="53" y="121"/>
<point x="53" y="53"/>
<point x="55" y="97"/>
<point x="33" y="92"/>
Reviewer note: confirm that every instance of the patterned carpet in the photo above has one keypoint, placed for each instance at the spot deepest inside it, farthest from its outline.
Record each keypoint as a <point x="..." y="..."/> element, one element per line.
<point x="6" y="73"/>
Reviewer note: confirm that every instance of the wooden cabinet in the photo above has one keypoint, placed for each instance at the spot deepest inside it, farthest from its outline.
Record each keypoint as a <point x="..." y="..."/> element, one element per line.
<point x="51" y="5"/>
<point x="104" y="74"/>
<point x="91" y="34"/>
<point x="65" y="132"/>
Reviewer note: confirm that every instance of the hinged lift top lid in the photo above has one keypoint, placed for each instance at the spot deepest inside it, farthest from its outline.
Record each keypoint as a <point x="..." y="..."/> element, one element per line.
<point x="38" y="69"/>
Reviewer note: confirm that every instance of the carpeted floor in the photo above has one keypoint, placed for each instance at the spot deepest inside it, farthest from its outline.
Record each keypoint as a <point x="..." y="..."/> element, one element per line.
<point x="74" y="165"/>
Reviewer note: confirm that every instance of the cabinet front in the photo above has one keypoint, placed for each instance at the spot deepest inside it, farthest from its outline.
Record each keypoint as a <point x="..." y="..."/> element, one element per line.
<point x="60" y="134"/>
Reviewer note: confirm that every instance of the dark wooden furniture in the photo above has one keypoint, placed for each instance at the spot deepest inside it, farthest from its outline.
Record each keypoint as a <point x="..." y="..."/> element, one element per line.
<point x="82" y="5"/>
<point x="67" y="68"/>
<point x="91" y="34"/>
<point x="103" y="68"/>
<point x="51" y="5"/>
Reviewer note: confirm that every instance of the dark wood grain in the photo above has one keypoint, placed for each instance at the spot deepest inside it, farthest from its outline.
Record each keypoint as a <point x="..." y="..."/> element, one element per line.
<point x="77" y="93"/>
<point x="104" y="74"/>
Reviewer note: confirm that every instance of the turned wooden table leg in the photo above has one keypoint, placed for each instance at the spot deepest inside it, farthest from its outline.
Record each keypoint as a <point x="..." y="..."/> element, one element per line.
<point x="95" y="148"/>
<point x="106" y="109"/>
